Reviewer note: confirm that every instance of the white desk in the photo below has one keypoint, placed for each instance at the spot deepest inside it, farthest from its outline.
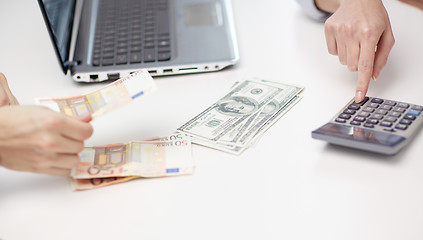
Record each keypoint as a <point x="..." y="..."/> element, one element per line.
<point x="288" y="187"/>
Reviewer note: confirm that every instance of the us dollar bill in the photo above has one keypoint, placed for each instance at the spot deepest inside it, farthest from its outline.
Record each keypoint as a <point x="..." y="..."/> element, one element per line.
<point x="137" y="158"/>
<point x="235" y="108"/>
<point x="106" y="99"/>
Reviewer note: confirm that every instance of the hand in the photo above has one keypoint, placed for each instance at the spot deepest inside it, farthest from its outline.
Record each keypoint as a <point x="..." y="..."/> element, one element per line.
<point x="359" y="33"/>
<point x="415" y="3"/>
<point x="6" y="96"/>
<point x="37" y="139"/>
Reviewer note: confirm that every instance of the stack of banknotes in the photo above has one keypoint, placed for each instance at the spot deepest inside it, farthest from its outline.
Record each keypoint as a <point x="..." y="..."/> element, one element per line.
<point x="101" y="166"/>
<point x="237" y="120"/>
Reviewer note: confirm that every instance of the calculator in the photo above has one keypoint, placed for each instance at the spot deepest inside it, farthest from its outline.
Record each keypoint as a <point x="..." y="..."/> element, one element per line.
<point x="376" y="125"/>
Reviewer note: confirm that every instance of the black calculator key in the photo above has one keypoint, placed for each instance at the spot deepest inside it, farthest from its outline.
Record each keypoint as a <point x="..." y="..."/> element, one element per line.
<point x="385" y="124"/>
<point x="376" y="116"/>
<point x="373" y="105"/>
<point x="354" y="106"/>
<point x="364" y="101"/>
<point x="340" y="120"/>
<point x="390" y="119"/>
<point x="418" y="108"/>
<point x="381" y="111"/>
<point x="386" y="107"/>
<point x="394" y="114"/>
<point x="398" y="109"/>
<point x="377" y="100"/>
<point x="369" y="125"/>
<point x="405" y="121"/>
<point x="410" y="117"/>
<point x="344" y="116"/>
<point x="401" y="126"/>
<point x="349" y="111"/>
<point x="359" y="119"/>
<point x="372" y="121"/>
<point x="368" y="109"/>
<point x="364" y="114"/>
<point x="390" y="103"/>
<point x="403" y="105"/>
<point x="355" y="123"/>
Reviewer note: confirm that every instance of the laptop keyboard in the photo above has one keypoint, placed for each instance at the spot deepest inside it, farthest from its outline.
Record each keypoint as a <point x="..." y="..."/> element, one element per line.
<point x="131" y="31"/>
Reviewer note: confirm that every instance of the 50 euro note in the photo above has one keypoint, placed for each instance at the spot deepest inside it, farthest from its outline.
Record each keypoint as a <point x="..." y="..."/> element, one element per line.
<point x="104" y="100"/>
<point x="156" y="158"/>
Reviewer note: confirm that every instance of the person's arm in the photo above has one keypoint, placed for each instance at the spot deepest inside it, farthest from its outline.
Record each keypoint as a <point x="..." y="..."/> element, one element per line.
<point x="312" y="10"/>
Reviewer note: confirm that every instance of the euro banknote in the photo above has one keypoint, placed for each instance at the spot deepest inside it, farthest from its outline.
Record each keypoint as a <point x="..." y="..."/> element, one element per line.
<point x="157" y="158"/>
<point x="105" y="99"/>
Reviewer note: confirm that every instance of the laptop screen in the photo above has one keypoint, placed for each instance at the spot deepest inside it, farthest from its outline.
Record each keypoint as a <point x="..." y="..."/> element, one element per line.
<point x="59" y="15"/>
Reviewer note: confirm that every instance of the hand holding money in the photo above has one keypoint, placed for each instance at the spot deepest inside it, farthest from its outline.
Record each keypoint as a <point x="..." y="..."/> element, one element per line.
<point x="106" y="99"/>
<point x="40" y="140"/>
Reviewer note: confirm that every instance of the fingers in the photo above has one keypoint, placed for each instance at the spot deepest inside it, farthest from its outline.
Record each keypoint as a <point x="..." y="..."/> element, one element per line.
<point x="384" y="47"/>
<point x="6" y="96"/>
<point x="77" y="129"/>
<point x="365" y="69"/>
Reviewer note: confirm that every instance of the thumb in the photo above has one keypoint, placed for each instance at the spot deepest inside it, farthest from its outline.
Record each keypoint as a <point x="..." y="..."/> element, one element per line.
<point x="85" y="118"/>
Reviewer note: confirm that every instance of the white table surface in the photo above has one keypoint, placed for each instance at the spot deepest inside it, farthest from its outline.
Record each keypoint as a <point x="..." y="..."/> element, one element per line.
<point x="289" y="186"/>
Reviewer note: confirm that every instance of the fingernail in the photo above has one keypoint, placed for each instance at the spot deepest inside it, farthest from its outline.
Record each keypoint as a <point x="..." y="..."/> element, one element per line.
<point x="374" y="78"/>
<point x="358" y="96"/>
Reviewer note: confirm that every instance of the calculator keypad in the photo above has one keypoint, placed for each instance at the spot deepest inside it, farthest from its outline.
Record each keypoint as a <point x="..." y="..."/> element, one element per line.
<point x="380" y="114"/>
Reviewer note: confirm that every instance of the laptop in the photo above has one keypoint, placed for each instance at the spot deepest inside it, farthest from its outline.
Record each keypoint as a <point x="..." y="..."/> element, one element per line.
<point x="98" y="40"/>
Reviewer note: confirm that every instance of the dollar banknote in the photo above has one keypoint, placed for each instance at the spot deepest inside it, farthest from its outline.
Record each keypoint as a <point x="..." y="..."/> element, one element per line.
<point x="237" y="133"/>
<point x="104" y="100"/>
<point x="235" y="108"/>
<point x="165" y="157"/>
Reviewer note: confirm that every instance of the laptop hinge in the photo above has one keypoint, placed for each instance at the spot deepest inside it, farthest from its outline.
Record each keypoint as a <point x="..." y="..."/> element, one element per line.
<point x="70" y="64"/>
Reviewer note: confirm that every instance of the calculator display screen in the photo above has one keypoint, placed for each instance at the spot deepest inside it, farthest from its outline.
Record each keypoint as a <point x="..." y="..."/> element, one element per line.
<point x="361" y="134"/>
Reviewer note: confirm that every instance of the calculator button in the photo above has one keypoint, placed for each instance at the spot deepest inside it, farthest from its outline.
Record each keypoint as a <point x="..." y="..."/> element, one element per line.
<point x="413" y="112"/>
<point x="349" y="111"/>
<point x="391" y="119"/>
<point x="340" y="120"/>
<point x="386" y="107"/>
<point x="354" y="106"/>
<point x="390" y="103"/>
<point x="410" y="117"/>
<point x="369" y="125"/>
<point x="385" y="124"/>
<point x="418" y="108"/>
<point x="401" y="126"/>
<point x="389" y="130"/>
<point x="405" y="121"/>
<point x="403" y="105"/>
<point x="372" y="121"/>
<point x="364" y="114"/>
<point x="344" y="116"/>
<point x="398" y="109"/>
<point x="355" y="123"/>
<point x="368" y="109"/>
<point x="376" y="116"/>
<point x="359" y="119"/>
<point x="381" y="111"/>
<point x="373" y="105"/>
<point x="377" y="100"/>
<point x="364" y="101"/>
<point x="394" y="114"/>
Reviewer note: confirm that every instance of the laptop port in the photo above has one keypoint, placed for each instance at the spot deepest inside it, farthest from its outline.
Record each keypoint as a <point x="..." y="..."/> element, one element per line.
<point x="167" y="71"/>
<point x="113" y="76"/>
<point x="152" y="71"/>
<point x="94" y="77"/>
